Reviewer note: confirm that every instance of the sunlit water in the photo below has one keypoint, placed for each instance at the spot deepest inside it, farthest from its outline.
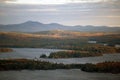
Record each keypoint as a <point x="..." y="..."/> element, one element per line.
<point x="72" y="74"/>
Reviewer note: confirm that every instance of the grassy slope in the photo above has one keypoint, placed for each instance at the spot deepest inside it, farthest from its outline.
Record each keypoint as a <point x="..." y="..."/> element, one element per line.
<point x="54" y="39"/>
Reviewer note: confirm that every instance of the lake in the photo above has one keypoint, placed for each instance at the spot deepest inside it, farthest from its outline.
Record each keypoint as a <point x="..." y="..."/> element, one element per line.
<point x="73" y="74"/>
<point x="32" y="53"/>
<point x="29" y="53"/>
<point x="59" y="74"/>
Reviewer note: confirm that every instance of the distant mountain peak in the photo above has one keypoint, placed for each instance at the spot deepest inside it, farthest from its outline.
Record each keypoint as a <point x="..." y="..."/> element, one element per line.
<point x="35" y="26"/>
<point x="31" y="22"/>
<point x="56" y="24"/>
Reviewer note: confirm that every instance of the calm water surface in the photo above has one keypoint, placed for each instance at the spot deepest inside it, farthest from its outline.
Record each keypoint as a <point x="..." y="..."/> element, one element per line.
<point x="73" y="74"/>
<point x="29" y="53"/>
<point x="32" y="53"/>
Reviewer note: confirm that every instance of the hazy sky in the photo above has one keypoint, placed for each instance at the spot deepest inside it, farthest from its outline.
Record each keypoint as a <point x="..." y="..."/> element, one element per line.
<point x="67" y="12"/>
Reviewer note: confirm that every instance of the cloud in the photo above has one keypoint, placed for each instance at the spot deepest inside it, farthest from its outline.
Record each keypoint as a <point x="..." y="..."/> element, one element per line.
<point x="56" y="1"/>
<point x="80" y="3"/>
<point x="6" y="0"/>
<point x="102" y="13"/>
<point x="37" y="10"/>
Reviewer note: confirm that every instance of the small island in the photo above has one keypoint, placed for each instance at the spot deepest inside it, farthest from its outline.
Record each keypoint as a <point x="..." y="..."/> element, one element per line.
<point x="73" y="54"/>
<point x="6" y="50"/>
<point x="87" y="51"/>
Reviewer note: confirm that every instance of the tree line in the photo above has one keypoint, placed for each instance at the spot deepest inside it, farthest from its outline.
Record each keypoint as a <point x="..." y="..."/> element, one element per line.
<point x="6" y="50"/>
<point x="86" y="51"/>
<point x="21" y="64"/>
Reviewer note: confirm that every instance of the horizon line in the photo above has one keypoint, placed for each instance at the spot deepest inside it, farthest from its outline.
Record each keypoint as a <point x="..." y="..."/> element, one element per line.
<point x="61" y="24"/>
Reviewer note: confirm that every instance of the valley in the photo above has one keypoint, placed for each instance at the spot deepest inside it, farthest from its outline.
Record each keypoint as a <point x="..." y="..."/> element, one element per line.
<point x="69" y="45"/>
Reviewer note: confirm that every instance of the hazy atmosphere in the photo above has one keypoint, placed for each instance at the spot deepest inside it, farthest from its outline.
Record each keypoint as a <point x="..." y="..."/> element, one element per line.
<point x="66" y="12"/>
<point x="59" y="39"/>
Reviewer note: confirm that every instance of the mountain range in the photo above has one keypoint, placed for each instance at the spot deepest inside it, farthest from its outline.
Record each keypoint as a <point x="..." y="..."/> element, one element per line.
<point x="34" y="26"/>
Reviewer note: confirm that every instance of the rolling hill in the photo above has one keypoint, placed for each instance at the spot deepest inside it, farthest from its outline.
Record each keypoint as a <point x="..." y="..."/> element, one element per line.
<point x="32" y="26"/>
<point x="55" y="39"/>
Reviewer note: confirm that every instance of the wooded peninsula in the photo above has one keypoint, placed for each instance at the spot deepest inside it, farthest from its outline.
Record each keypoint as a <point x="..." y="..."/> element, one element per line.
<point x="21" y="64"/>
<point x="6" y="50"/>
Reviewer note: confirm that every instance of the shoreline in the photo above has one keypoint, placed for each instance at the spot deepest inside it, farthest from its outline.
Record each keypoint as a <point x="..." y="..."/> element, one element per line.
<point x="26" y="64"/>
